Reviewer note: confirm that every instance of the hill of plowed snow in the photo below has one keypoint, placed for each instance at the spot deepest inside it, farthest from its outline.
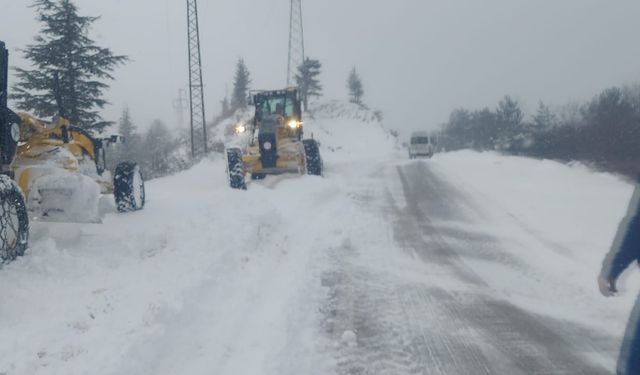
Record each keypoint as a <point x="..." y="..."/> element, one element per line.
<point x="209" y="280"/>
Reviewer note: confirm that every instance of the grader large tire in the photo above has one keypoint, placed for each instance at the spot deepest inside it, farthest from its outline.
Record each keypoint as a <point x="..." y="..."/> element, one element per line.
<point x="235" y="169"/>
<point x="313" y="161"/>
<point x="14" y="221"/>
<point x="128" y="187"/>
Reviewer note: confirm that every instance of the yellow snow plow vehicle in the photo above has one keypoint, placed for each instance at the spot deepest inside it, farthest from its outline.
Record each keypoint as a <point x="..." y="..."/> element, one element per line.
<point x="275" y="142"/>
<point x="61" y="169"/>
<point x="53" y="171"/>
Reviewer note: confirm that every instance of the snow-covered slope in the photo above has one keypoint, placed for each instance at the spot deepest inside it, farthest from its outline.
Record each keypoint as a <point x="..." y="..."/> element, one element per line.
<point x="350" y="133"/>
<point x="209" y="280"/>
<point x="558" y="220"/>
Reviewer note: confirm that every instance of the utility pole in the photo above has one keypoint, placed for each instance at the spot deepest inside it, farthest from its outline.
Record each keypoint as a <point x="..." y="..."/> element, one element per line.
<point x="296" y="41"/>
<point x="196" y="87"/>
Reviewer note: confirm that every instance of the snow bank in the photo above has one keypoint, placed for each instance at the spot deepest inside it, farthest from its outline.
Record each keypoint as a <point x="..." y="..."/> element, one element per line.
<point x="349" y="132"/>
<point x="558" y="219"/>
<point x="204" y="280"/>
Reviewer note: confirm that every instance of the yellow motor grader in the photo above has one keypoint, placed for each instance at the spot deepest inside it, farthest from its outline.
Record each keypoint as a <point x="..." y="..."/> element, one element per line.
<point x="61" y="169"/>
<point x="275" y="141"/>
<point x="54" y="171"/>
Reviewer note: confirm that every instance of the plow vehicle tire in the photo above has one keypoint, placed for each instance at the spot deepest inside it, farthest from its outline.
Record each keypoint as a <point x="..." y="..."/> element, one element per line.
<point x="128" y="187"/>
<point x="313" y="161"/>
<point x="14" y="221"/>
<point x="235" y="169"/>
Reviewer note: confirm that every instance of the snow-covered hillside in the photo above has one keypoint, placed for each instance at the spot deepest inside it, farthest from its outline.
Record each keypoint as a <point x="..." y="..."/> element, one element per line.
<point x="301" y="274"/>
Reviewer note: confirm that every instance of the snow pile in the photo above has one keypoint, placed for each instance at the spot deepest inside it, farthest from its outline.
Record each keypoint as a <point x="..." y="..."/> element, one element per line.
<point x="344" y="110"/>
<point x="206" y="279"/>
<point x="55" y="180"/>
<point x="349" y="132"/>
<point x="62" y="196"/>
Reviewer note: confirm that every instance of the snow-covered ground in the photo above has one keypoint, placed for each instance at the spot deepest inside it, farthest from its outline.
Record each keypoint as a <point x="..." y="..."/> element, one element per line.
<point x="559" y="220"/>
<point x="209" y="280"/>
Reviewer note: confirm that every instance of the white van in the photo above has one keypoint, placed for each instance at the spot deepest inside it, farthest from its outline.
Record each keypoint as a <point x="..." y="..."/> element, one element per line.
<point x="421" y="144"/>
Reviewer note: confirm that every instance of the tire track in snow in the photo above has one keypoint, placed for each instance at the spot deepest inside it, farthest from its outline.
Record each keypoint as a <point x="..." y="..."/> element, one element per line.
<point x="407" y="326"/>
<point x="528" y="343"/>
<point x="388" y="317"/>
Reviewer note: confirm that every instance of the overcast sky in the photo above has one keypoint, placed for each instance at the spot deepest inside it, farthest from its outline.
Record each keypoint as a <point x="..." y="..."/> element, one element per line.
<point x="418" y="59"/>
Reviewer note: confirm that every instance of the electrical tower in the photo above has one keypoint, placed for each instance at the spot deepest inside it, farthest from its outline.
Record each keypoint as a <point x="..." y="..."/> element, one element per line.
<point x="296" y="41"/>
<point x="196" y="88"/>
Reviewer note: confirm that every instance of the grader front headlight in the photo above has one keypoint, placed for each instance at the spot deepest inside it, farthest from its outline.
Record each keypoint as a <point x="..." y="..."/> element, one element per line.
<point x="293" y="124"/>
<point x="240" y="128"/>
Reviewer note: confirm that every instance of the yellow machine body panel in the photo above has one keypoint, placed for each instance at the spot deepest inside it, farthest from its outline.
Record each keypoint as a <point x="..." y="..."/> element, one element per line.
<point x="52" y="161"/>
<point x="290" y="156"/>
<point x="35" y="133"/>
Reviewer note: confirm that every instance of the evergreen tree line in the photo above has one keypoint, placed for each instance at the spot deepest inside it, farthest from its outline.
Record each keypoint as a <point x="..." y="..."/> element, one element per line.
<point x="307" y="80"/>
<point x="157" y="150"/>
<point x="603" y="132"/>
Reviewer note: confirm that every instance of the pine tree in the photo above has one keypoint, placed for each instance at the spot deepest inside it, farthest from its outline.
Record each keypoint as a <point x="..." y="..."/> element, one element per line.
<point x="240" y="86"/>
<point x="544" y="119"/>
<point x="225" y="107"/>
<point x="129" y="149"/>
<point x="158" y="147"/>
<point x="509" y="112"/>
<point x="125" y="124"/>
<point x="64" y="47"/>
<point x="509" y="117"/>
<point x="307" y="80"/>
<point x="126" y="128"/>
<point x="356" y="90"/>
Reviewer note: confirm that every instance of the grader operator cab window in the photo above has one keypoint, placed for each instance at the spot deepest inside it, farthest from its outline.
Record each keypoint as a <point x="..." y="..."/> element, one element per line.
<point x="275" y="105"/>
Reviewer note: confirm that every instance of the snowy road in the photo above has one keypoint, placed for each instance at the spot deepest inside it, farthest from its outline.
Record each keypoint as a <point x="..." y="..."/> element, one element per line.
<point x="445" y="321"/>
<point x="385" y="266"/>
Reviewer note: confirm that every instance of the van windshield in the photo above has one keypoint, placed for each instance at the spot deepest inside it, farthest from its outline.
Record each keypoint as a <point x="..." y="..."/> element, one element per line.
<point x="419" y="140"/>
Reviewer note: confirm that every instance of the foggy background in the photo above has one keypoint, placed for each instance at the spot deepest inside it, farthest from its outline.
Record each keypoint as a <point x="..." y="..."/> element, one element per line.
<point x="418" y="59"/>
